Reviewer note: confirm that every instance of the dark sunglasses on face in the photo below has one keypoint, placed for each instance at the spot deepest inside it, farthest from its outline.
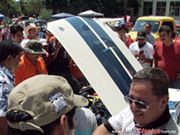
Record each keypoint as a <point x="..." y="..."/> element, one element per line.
<point x="140" y="104"/>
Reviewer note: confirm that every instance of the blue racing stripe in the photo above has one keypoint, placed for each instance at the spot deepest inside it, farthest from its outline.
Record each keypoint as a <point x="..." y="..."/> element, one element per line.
<point x="110" y="43"/>
<point x="105" y="55"/>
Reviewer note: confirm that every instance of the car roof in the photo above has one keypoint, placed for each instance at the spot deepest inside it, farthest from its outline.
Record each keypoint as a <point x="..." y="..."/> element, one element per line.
<point x="155" y="18"/>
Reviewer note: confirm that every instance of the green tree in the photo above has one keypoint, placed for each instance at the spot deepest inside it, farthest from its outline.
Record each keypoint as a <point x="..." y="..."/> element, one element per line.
<point x="45" y="14"/>
<point x="57" y="5"/>
<point x="8" y="7"/>
<point x="111" y="8"/>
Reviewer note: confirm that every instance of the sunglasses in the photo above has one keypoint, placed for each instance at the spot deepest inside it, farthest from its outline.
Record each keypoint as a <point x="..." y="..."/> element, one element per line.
<point x="140" y="104"/>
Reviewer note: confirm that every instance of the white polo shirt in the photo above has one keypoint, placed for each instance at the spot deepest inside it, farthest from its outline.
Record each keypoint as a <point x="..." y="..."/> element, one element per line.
<point x="123" y="123"/>
<point x="147" y="49"/>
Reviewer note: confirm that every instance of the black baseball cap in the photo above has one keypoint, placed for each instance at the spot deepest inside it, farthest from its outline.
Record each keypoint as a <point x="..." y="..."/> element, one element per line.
<point x="141" y="35"/>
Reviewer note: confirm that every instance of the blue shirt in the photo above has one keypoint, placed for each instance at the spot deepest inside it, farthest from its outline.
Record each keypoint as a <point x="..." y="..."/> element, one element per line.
<point x="150" y="38"/>
<point x="6" y="85"/>
<point x="85" y="122"/>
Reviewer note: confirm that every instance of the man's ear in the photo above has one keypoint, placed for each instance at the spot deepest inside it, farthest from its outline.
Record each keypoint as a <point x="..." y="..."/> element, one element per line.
<point x="64" y="124"/>
<point x="9" y="58"/>
<point x="164" y="101"/>
<point x="61" y="127"/>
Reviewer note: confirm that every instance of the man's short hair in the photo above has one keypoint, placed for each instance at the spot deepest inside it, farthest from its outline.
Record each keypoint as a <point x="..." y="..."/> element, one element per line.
<point x="19" y="116"/>
<point x="45" y="98"/>
<point x="158" y="79"/>
<point x="165" y="28"/>
<point x="15" y="28"/>
<point x="7" y="48"/>
<point x="148" y="24"/>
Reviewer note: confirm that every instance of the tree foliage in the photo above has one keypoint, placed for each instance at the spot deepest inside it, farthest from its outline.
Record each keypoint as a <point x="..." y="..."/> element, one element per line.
<point x="111" y="8"/>
<point x="9" y="7"/>
<point x="45" y="14"/>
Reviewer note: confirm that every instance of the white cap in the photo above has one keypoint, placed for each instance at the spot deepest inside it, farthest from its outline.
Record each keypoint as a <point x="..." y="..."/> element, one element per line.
<point x="43" y="41"/>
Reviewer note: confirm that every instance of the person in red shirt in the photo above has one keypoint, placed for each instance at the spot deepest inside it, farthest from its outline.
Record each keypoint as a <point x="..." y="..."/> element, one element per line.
<point x="167" y="56"/>
<point x="31" y="63"/>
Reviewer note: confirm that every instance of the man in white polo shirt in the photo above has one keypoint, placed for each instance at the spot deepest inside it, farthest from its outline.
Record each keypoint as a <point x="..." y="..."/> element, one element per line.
<point x="142" y="50"/>
<point x="148" y="112"/>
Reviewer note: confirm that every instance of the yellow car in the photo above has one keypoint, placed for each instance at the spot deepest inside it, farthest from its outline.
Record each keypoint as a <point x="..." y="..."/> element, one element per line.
<point x="155" y="21"/>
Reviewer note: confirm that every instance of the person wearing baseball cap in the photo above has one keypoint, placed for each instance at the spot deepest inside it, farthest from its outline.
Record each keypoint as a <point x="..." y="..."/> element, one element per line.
<point x="142" y="50"/>
<point x="43" y="105"/>
<point x="141" y="35"/>
<point x="31" y="63"/>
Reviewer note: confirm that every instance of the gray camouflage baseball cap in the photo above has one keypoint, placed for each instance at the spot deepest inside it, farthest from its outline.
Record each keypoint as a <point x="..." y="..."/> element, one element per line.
<point x="45" y="98"/>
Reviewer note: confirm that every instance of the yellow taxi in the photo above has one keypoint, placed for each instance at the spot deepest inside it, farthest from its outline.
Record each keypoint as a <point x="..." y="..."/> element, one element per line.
<point x="155" y="21"/>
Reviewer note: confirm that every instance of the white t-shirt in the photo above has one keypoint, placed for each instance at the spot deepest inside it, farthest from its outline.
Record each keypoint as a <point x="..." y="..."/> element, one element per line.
<point x="147" y="50"/>
<point x="123" y="123"/>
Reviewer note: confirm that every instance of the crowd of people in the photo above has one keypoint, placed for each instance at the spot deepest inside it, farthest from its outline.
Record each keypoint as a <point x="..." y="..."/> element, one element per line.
<point x="25" y="53"/>
<point x="40" y="83"/>
<point x="163" y="53"/>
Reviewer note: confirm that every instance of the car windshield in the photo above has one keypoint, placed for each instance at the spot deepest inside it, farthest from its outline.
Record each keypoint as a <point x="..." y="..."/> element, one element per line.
<point x="139" y="25"/>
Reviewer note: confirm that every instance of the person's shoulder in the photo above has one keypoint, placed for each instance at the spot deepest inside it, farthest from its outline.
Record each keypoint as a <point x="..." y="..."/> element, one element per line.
<point x="85" y="121"/>
<point x="158" y="43"/>
<point x="149" y="44"/>
<point x="123" y="114"/>
<point x="5" y="75"/>
<point x="177" y="42"/>
<point x="172" y="128"/>
<point x="133" y="44"/>
<point x="122" y="120"/>
<point x="87" y="112"/>
<point x="41" y="61"/>
<point x="2" y="77"/>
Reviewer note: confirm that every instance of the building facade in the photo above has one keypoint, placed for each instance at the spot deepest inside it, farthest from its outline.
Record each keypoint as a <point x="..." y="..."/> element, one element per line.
<point x="161" y="7"/>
